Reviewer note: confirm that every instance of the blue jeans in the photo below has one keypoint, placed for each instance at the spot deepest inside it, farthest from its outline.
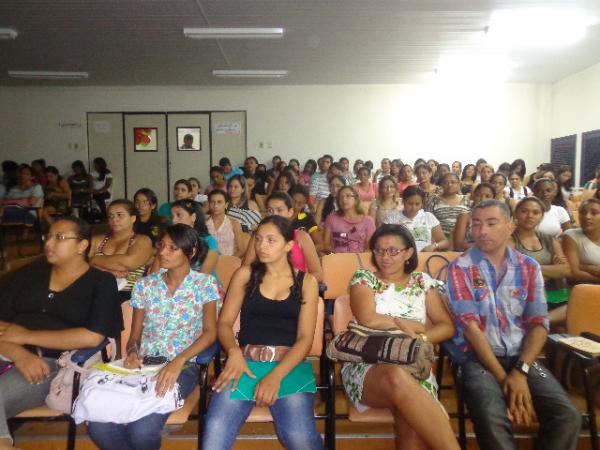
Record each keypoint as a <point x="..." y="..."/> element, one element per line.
<point x="293" y="416"/>
<point x="559" y="420"/>
<point x="144" y="433"/>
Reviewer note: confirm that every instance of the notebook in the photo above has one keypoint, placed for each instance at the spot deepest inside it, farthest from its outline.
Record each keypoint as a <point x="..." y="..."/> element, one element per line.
<point x="582" y="345"/>
<point x="300" y="379"/>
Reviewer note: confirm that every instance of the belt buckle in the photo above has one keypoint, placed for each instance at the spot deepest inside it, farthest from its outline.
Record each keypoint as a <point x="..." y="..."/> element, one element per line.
<point x="271" y="348"/>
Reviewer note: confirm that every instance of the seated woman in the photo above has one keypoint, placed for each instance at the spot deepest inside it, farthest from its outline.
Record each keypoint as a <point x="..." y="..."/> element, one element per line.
<point x="285" y="182"/>
<point x="517" y="190"/>
<point x="21" y="202"/>
<point x="582" y="245"/>
<point x="545" y="249"/>
<point x="303" y="254"/>
<point x="327" y="205"/>
<point x="388" y="207"/>
<point x="278" y="310"/>
<point x="406" y="178"/>
<point x="367" y="190"/>
<point x="397" y="297"/>
<point x="174" y="316"/>
<point x="227" y="231"/>
<point x="424" y="173"/>
<point x="303" y="218"/>
<point x="48" y="307"/>
<point x="500" y="183"/>
<point x="462" y="239"/>
<point x="556" y="218"/>
<point x="310" y="167"/>
<point x="182" y="189"/>
<point x="447" y="206"/>
<point x="57" y="195"/>
<point x="468" y="178"/>
<point x="121" y="251"/>
<point x="240" y="207"/>
<point x="217" y="178"/>
<point x="424" y="227"/>
<point x="197" y="195"/>
<point x="347" y="230"/>
<point x="80" y="183"/>
<point x="102" y="184"/>
<point x="147" y="222"/>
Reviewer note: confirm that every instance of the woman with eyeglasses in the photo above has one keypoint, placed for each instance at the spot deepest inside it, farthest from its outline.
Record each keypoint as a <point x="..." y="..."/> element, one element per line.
<point x="388" y="206"/>
<point x="148" y="222"/>
<point x="174" y="316"/>
<point x="447" y="206"/>
<point x="348" y="230"/>
<point x="121" y="251"/>
<point x="395" y="296"/>
<point x="303" y="254"/>
<point x="49" y="306"/>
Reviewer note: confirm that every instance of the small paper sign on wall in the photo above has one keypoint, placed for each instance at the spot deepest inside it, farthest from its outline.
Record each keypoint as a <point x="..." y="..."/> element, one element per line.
<point x="228" y="128"/>
<point x="102" y="126"/>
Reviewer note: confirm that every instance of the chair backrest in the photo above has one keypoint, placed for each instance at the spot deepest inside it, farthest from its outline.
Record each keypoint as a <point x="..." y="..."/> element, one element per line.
<point x="583" y="309"/>
<point x="261" y="200"/>
<point x="226" y="265"/>
<point x="338" y="269"/>
<point x="317" y="345"/>
<point x="22" y="262"/>
<point x="342" y="314"/>
<point x="437" y="263"/>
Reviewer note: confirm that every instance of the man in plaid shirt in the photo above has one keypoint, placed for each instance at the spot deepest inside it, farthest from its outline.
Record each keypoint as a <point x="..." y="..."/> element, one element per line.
<point x="499" y="306"/>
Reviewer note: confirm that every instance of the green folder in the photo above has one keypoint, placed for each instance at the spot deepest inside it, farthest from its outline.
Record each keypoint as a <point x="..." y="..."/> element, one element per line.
<point x="300" y="379"/>
<point x="555" y="296"/>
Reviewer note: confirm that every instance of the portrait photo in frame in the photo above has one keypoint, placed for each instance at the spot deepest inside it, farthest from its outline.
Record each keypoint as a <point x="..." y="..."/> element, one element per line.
<point x="189" y="139"/>
<point x="145" y="139"/>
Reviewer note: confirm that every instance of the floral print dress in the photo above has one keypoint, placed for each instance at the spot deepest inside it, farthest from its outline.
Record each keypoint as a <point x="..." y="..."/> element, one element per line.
<point x="407" y="303"/>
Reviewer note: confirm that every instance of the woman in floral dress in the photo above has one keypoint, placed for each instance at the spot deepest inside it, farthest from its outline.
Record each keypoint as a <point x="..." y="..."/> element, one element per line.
<point x="397" y="297"/>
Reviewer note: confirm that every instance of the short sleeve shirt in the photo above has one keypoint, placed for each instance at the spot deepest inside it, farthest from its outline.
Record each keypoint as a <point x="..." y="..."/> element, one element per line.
<point x="349" y="236"/>
<point x="16" y="193"/>
<point x="420" y="227"/>
<point x="552" y="221"/>
<point x="504" y="305"/>
<point x="172" y="324"/>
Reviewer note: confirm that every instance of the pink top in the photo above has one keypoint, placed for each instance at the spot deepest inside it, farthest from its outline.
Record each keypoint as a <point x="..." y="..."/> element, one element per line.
<point x="349" y="236"/>
<point x="297" y="255"/>
<point x="224" y="235"/>
<point x="366" y="196"/>
<point x="305" y="179"/>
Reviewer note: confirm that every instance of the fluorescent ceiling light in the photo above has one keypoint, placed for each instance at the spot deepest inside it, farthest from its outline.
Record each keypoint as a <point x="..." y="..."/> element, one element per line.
<point x="233" y="33"/>
<point x="473" y="68"/>
<point x="8" y="33"/>
<point x="47" y="75"/>
<point x="536" y="27"/>
<point x="250" y="73"/>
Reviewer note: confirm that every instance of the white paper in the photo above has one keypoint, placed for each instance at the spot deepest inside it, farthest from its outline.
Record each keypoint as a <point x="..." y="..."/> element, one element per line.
<point x="231" y="128"/>
<point x="102" y="126"/>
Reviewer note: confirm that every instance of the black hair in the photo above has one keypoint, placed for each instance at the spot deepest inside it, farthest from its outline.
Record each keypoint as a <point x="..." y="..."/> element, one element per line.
<point x="337" y="166"/>
<point x="299" y="189"/>
<point x="364" y="168"/>
<point x="419" y="161"/>
<point x="464" y="172"/>
<point x="291" y="181"/>
<point x="423" y="165"/>
<point x="329" y="205"/>
<point x="562" y="169"/>
<point x="312" y="163"/>
<point x="192" y="207"/>
<point x="541" y="181"/>
<point x="188" y="136"/>
<point x="23" y="167"/>
<point x="403" y="233"/>
<point x="53" y="170"/>
<point x="128" y="204"/>
<point x="41" y="162"/>
<point x="252" y="158"/>
<point x="449" y="174"/>
<point x="258" y="268"/>
<point x="485" y="184"/>
<point x="516" y="163"/>
<point x="343" y="158"/>
<point x="283" y="196"/>
<point x="214" y="192"/>
<point x="369" y="164"/>
<point x="413" y="190"/>
<point x="9" y="165"/>
<point x="188" y="240"/>
<point x="78" y="164"/>
<point x="504" y="167"/>
<point x="185" y="182"/>
<point x="102" y="168"/>
<point x="444" y="165"/>
<point x="224" y="161"/>
<point x="327" y="156"/>
<point x="190" y="179"/>
<point x="216" y="169"/>
<point x="500" y="174"/>
<point x="531" y="199"/>
<point x="82" y="230"/>
<point x="276" y="157"/>
<point x="148" y="193"/>
<point x="480" y="161"/>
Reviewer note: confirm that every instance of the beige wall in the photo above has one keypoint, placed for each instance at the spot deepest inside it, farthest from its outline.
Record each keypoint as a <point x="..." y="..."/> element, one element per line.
<point x="500" y="123"/>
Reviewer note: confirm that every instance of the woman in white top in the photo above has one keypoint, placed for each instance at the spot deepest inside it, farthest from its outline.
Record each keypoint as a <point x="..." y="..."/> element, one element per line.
<point x="556" y="218"/>
<point x="227" y="231"/>
<point x="424" y="226"/>
<point x="517" y="191"/>
<point x="102" y="181"/>
<point x="582" y="245"/>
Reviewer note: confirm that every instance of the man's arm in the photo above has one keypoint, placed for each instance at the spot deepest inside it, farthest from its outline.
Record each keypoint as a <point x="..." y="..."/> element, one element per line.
<point x="483" y="351"/>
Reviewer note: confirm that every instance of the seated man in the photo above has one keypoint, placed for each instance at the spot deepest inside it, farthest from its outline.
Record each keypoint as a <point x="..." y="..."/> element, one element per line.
<point x="498" y="302"/>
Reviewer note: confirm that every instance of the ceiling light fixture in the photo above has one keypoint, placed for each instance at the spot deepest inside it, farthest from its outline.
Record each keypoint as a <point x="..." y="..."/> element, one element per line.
<point x="47" y="75"/>
<point x="233" y="33"/>
<point x="7" y="34"/>
<point x="250" y="73"/>
<point x="536" y="27"/>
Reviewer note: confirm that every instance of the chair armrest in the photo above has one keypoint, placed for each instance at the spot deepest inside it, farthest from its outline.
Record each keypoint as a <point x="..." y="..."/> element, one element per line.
<point x="207" y="355"/>
<point x="81" y="356"/>
<point x="592" y="336"/>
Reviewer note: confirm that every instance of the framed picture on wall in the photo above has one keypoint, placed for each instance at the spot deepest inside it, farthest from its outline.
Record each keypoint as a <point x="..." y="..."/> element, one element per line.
<point x="189" y="139"/>
<point x="145" y="139"/>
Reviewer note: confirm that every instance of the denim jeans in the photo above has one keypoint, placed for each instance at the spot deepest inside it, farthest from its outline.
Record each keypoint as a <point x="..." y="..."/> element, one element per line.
<point x="293" y="416"/>
<point x="144" y="433"/>
<point x="559" y="420"/>
<point x="17" y="395"/>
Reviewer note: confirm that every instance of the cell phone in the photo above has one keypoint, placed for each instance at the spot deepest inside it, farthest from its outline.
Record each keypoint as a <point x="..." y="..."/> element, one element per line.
<point x="154" y="360"/>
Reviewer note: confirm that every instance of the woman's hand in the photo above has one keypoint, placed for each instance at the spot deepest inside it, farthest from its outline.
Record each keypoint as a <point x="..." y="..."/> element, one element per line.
<point x="33" y="368"/>
<point x="234" y="368"/>
<point x="133" y="361"/>
<point x="409" y="327"/>
<point x="266" y="390"/>
<point x="11" y="332"/>
<point x="167" y="377"/>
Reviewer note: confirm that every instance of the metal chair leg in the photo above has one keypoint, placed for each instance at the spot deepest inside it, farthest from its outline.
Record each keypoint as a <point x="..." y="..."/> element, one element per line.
<point x="591" y="407"/>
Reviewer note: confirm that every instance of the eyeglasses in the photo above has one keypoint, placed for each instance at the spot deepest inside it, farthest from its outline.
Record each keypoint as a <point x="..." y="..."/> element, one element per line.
<point x="58" y="236"/>
<point x="161" y="245"/>
<point x="392" y="251"/>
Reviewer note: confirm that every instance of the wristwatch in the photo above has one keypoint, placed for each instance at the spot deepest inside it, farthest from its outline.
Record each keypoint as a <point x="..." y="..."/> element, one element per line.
<point x="522" y="367"/>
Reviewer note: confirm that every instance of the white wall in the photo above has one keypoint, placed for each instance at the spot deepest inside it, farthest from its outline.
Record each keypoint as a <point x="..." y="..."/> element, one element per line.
<point x="499" y="123"/>
<point x="576" y="106"/>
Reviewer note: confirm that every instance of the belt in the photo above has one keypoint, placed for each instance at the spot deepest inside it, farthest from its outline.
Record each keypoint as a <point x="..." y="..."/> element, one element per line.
<point x="265" y="353"/>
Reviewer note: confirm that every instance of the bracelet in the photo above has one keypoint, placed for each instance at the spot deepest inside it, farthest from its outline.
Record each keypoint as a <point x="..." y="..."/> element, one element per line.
<point x="423" y="336"/>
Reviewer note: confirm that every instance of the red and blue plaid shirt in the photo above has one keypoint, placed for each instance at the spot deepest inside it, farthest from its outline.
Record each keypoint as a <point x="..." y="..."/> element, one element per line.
<point x="504" y="305"/>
